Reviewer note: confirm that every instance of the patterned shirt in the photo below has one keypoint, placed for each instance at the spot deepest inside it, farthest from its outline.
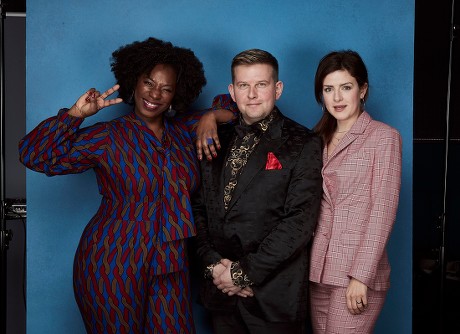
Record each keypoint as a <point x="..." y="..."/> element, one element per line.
<point x="140" y="178"/>
<point x="245" y="141"/>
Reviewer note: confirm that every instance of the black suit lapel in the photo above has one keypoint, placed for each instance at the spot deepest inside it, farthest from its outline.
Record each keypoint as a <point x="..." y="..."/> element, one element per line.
<point x="215" y="168"/>
<point x="212" y="172"/>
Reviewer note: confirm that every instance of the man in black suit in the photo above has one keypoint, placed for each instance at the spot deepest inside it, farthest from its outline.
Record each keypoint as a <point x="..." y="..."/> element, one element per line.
<point x="257" y="208"/>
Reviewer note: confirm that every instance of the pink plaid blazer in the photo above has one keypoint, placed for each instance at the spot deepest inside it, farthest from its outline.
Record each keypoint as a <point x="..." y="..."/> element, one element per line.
<point x="361" y="182"/>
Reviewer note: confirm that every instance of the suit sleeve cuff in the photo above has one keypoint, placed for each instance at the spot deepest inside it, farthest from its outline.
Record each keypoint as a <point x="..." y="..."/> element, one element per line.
<point x="239" y="278"/>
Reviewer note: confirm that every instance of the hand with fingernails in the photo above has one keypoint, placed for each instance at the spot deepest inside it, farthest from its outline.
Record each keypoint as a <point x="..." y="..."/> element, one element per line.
<point x="92" y="101"/>
<point x="207" y="142"/>
<point x="356" y="296"/>
<point x="223" y="281"/>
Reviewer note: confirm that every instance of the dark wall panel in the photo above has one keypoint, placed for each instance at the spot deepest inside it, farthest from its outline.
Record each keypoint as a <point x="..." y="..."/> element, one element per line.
<point x="15" y="104"/>
<point x="15" y="174"/>
<point x="15" y="6"/>
<point x="431" y="69"/>
<point x="436" y="164"/>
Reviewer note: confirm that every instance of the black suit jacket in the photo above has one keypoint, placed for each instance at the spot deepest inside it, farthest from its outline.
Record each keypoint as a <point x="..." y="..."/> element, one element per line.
<point x="269" y="222"/>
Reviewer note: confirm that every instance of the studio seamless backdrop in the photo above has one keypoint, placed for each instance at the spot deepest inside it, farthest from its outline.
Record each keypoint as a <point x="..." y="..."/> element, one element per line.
<point x="69" y="44"/>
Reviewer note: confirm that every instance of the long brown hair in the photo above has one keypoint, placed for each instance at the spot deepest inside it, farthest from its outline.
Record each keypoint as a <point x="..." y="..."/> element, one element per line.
<point x="336" y="61"/>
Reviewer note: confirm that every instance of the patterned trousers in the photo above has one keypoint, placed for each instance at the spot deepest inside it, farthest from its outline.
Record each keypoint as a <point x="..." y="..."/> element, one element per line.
<point x="123" y="290"/>
<point x="329" y="312"/>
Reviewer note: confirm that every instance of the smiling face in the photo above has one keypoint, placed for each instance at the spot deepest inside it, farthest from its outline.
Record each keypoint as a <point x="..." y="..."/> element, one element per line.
<point x="342" y="97"/>
<point x="255" y="91"/>
<point x="154" y="93"/>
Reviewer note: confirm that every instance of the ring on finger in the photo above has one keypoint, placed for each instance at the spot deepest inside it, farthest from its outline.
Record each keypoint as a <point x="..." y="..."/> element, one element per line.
<point x="209" y="141"/>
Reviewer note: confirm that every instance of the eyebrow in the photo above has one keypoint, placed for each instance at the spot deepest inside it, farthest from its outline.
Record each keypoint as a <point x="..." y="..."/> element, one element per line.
<point x="245" y="82"/>
<point x="151" y="79"/>
<point x="346" y="83"/>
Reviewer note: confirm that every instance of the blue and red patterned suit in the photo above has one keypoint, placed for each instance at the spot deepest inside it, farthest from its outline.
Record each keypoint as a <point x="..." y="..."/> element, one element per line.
<point x="130" y="269"/>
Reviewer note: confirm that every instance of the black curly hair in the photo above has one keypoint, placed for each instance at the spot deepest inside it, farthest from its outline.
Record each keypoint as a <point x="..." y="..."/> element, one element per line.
<point x="131" y="61"/>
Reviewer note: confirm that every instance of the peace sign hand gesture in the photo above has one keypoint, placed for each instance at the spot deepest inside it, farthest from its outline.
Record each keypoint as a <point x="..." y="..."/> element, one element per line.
<point x="92" y="101"/>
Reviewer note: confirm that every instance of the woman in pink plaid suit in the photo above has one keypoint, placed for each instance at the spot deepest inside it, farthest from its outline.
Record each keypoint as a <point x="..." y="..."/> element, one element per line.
<point x="361" y="172"/>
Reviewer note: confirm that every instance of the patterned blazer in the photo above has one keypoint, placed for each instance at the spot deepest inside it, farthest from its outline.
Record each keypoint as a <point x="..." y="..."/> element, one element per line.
<point x="361" y="183"/>
<point x="269" y="222"/>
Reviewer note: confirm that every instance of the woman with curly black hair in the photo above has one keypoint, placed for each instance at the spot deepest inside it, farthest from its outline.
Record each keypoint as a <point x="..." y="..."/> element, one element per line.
<point x="130" y="268"/>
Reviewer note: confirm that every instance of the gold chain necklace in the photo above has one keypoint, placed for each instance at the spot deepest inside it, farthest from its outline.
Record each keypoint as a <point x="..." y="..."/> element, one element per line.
<point x="337" y="138"/>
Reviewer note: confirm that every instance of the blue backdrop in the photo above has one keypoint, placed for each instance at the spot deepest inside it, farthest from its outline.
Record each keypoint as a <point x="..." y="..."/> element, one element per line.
<point x="69" y="44"/>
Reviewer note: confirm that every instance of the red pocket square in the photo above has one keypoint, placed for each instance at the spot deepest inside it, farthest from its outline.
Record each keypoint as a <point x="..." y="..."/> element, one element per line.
<point x="272" y="162"/>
